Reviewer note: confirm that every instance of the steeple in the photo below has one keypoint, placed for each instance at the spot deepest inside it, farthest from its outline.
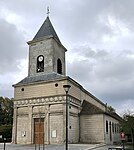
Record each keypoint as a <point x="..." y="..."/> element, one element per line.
<point x="46" y="53"/>
<point x="46" y="30"/>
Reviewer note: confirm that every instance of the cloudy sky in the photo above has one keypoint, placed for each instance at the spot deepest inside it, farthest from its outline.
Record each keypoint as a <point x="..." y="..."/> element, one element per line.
<point x="99" y="36"/>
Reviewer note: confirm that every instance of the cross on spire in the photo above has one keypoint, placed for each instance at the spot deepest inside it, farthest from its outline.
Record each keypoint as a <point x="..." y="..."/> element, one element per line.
<point x="48" y="12"/>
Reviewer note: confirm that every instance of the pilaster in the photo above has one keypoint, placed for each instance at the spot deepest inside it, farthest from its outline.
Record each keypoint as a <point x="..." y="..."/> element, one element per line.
<point x="47" y="124"/>
<point x="64" y="122"/>
<point x="30" y="125"/>
<point x="14" y="130"/>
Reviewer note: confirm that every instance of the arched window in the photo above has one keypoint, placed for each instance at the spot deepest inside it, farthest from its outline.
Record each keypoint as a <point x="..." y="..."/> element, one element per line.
<point x="59" y="66"/>
<point x="40" y="63"/>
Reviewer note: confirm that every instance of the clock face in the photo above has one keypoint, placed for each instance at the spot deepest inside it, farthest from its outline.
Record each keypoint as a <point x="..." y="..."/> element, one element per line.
<point x="40" y="58"/>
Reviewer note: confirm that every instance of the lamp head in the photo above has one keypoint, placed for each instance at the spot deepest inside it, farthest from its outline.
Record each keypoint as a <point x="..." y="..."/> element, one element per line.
<point x="66" y="88"/>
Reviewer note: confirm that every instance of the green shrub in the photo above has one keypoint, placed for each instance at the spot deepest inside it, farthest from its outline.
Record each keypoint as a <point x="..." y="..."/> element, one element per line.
<point x="6" y="132"/>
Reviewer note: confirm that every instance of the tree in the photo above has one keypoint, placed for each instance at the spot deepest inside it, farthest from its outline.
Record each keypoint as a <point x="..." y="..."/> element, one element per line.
<point x="110" y="109"/>
<point x="6" y="117"/>
<point x="6" y="110"/>
<point x="127" y="125"/>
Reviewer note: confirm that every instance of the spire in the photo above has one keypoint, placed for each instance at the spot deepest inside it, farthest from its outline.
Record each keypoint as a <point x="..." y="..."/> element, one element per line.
<point x="46" y="30"/>
<point x="48" y="12"/>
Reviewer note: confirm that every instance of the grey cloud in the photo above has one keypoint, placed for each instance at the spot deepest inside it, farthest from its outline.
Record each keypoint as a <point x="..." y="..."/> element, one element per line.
<point x="77" y="70"/>
<point x="22" y="7"/>
<point x="12" y="49"/>
<point x="110" y="77"/>
<point x="122" y="10"/>
<point x="87" y="16"/>
<point x="6" y="90"/>
<point x="119" y="66"/>
<point x="89" y="52"/>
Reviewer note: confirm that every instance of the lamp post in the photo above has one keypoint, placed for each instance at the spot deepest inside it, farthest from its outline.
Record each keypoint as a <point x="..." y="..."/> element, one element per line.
<point x="66" y="88"/>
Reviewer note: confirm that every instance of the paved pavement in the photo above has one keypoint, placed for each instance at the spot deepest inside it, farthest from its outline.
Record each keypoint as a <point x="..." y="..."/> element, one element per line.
<point x="48" y="147"/>
<point x="54" y="147"/>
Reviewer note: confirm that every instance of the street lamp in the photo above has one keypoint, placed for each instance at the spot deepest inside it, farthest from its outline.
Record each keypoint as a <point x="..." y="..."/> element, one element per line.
<point x="66" y="88"/>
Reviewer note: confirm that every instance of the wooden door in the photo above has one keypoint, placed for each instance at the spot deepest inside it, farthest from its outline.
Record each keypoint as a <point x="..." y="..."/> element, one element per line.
<point x="38" y="130"/>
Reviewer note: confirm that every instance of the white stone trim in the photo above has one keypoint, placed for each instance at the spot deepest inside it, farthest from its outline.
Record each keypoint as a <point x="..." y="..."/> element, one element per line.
<point x="46" y="100"/>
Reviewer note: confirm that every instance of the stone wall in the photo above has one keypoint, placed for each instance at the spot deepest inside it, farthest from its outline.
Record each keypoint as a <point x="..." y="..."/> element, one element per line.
<point x="22" y="130"/>
<point x="56" y="129"/>
<point x="43" y="89"/>
<point x="51" y="50"/>
<point x="91" y="128"/>
<point x="73" y="129"/>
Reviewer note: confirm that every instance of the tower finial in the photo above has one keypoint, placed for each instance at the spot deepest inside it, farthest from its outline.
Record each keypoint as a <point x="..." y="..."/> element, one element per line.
<point x="48" y="12"/>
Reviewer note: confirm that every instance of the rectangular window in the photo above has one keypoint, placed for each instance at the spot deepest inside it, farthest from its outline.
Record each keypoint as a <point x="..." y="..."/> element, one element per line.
<point x="106" y="126"/>
<point x="113" y="127"/>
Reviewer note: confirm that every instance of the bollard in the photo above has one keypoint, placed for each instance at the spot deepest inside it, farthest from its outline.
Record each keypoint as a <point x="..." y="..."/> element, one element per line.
<point x="123" y="144"/>
<point x="4" y="143"/>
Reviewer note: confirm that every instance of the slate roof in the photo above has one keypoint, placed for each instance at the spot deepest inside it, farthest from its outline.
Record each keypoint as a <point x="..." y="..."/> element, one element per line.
<point x="114" y="115"/>
<point x="46" y="30"/>
<point x="39" y="78"/>
<point x="88" y="108"/>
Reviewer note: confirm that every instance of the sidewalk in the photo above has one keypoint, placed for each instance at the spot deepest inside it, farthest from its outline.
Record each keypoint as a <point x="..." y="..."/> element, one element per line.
<point x="87" y="146"/>
<point x="49" y="147"/>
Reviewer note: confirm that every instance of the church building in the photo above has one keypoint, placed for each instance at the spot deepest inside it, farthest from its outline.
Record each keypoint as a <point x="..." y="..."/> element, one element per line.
<point x="40" y="100"/>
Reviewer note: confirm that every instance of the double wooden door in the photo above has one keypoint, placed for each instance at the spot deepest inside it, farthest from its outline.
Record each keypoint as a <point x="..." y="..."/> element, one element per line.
<point x="39" y="130"/>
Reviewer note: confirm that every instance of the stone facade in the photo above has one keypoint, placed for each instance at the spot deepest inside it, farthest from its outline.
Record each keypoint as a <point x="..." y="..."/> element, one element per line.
<point x="93" y="130"/>
<point x="28" y="106"/>
<point x="35" y="102"/>
<point x="40" y="100"/>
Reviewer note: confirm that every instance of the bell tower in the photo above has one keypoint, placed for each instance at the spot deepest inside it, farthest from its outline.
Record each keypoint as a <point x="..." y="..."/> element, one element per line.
<point x="46" y="53"/>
